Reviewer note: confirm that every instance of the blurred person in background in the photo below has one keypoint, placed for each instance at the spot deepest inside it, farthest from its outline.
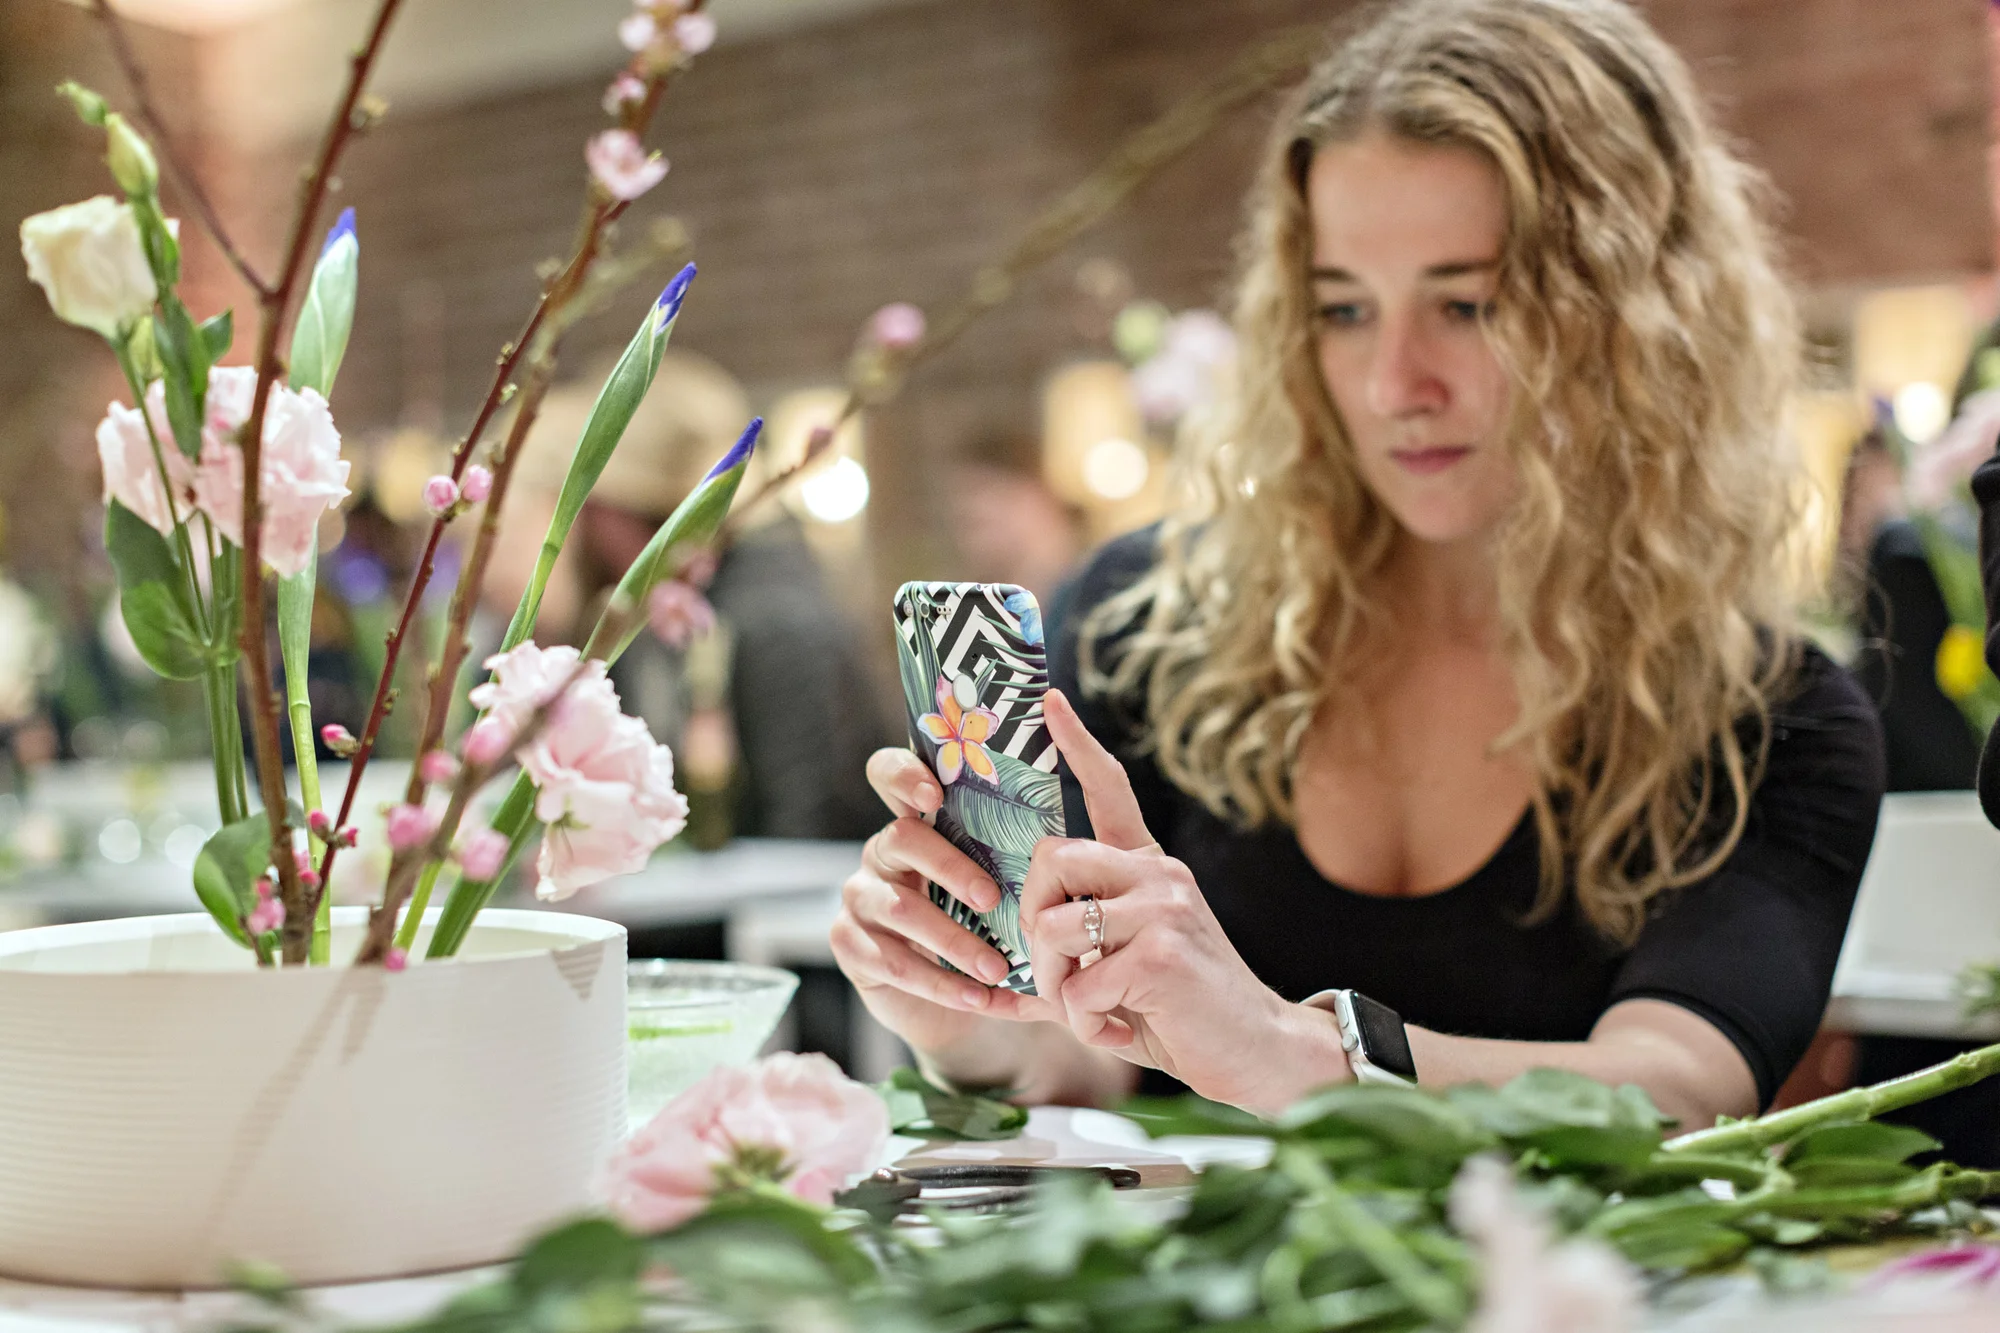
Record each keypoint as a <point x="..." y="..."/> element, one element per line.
<point x="771" y="711"/>
<point x="1010" y="527"/>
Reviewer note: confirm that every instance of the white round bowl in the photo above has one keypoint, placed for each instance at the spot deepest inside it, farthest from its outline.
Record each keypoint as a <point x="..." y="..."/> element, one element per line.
<point x="167" y="1108"/>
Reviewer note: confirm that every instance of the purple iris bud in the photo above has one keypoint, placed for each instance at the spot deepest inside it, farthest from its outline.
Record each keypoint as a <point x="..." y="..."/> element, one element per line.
<point x="669" y="304"/>
<point x="739" y="453"/>
<point x="342" y="226"/>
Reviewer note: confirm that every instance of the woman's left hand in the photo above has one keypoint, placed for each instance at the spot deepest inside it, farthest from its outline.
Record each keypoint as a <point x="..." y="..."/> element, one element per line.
<point x="1168" y="990"/>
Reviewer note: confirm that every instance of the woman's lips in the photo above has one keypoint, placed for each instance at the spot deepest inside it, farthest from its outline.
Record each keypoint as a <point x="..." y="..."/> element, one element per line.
<point x="1424" y="462"/>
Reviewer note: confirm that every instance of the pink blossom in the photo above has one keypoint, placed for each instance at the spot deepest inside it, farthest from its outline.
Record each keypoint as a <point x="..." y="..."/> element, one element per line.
<point x="339" y="740"/>
<point x="487" y="741"/>
<point x="694" y="33"/>
<point x="678" y="613"/>
<point x="483" y="854"/>
<point x="636" y="32"/>
<point x="625" y="90"/>
<point x="604" y="786"/>
<point x="395" y="960"/>
<point x="478" y="485"/>
<point x="1959" y="1266"/>
<point x="1528" y="1282"/>
<point x="309" y="878"/>
<point x="303" y="474"/>
<point x="437" y="768"/>
<point x="319" y="821"/>
<point x="524" y="678"/>
<point x="440" y="494"/>
<point x="621" y="164"/>
<point x="266" y="916"/>
<point x="897" y="326"/>
<point x="262" y="888"/>
<point x="410" y="826"/>
<point x="131" y="477"/>
<point x="791" y="1118"/>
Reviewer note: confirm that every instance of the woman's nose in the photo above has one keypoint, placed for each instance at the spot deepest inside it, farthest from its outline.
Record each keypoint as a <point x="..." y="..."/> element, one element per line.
<point x="1403" y="379"/>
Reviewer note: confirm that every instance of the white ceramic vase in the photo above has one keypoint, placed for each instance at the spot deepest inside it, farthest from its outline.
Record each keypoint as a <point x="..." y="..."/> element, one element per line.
<point x="167" y="1108"/>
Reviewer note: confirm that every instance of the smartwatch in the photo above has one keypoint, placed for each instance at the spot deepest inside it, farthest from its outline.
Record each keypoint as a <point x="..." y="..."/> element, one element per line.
<point x="1378" y="1049"/>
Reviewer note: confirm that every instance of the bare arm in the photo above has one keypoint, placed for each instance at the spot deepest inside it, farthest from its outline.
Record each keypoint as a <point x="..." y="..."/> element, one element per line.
<point x="1690" y="1070"/>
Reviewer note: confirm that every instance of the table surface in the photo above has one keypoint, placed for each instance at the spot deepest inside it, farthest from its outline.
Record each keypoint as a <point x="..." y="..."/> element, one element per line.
<point x="1055" y="1136"/>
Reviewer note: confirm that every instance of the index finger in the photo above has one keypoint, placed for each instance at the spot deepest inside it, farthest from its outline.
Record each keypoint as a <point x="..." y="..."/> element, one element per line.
<point x="904" y="782"/>
<point x="1107" y="791"/>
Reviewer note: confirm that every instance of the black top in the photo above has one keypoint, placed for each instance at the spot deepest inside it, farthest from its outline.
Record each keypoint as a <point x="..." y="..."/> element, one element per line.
<point x="1751" y="948"/>
<point x="1986" y="490"/>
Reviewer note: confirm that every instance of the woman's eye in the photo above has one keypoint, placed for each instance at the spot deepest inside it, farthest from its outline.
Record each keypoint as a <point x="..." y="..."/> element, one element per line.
<point x="1467" y="312"/>
<point x="1339" y="314"/>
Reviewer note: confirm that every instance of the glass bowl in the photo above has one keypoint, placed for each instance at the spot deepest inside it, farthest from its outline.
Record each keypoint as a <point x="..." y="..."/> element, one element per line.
<point x="685" y="1018"/>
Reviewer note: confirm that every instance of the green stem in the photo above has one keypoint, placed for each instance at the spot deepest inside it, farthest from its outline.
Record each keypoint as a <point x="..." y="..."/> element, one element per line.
<point x="1854" y="1104"/>
<point x="295" y="607"/>
<point x="516" y="819"/>
<point x="218" y="688"/>
<point x="406" y="935"/>
<point x="1343" y="1216"/>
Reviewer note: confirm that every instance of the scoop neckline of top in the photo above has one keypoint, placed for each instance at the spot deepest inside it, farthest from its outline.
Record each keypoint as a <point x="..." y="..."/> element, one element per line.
<point x="1515" y="830"/>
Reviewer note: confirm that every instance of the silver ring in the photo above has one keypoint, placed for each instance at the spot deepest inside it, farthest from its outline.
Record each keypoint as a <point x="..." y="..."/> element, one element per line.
<point x="1093" y="923"/>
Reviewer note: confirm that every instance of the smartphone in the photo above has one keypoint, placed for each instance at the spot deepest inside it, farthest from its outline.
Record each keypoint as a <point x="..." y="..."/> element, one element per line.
<point x="974" y="673"/>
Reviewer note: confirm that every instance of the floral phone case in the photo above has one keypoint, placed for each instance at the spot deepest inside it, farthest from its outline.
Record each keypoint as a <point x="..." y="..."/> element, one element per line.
<point x="974" y="673"/>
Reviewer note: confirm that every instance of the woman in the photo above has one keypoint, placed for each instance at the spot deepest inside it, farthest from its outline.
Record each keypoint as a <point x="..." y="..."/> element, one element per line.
<point x="1470" y="681"/>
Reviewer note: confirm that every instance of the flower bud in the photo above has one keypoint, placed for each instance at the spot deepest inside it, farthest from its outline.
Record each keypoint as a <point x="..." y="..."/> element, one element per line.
<point x="320" y="823"/>
<point x="395" y="960"/>
<point x="130" y="158"/>
<point x="310" y="879"/>
<point x="478" y="485"/>
<point x="897" y="327"/>
<point x="440" y="494"/>
<point x="487" y="741"/>
<point x="266" y="916"/>
<point x="262" y="887"/>
<point x="410" y="826"/>
<point x="89" y="106"/>
<point x="482" y="855"/>
<point x="339" y="739"/>
<point x="437" y="768"/>
<point x="694" y="33"/>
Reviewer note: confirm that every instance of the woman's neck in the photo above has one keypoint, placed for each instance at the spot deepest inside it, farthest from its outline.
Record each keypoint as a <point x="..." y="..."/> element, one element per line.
<point x="1444" y="592"/>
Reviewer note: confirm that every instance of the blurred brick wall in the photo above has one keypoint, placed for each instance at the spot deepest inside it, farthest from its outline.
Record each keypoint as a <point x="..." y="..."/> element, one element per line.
<point x="828" y="171"/>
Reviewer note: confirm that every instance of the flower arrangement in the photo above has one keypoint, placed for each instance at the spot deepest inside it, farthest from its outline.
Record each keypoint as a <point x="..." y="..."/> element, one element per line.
<point x="216" y="477"/>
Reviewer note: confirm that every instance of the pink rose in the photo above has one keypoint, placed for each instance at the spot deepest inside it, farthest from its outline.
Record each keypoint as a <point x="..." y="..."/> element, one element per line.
<point x="621" y="164"/>
<point x="795" y="1119"/>
<point x="131" y="477"/>
<point x="303" y="474"/>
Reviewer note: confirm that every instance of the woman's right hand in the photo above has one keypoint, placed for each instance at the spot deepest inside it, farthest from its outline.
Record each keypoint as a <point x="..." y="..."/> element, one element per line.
<point x="889" y="934"/>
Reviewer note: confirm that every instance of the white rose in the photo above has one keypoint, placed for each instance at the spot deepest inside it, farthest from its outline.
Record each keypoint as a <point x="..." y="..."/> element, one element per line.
<point x="88" y="258"/>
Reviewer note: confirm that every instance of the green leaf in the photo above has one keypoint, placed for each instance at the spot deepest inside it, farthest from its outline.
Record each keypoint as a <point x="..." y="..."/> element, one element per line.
<point x="1406" y="1120"/>
<point x="184" y="358"/>
<point x="152" y="596"/>
<point x="582" y="1254"/>
<point x="1840" y="1172"/>
<point x="1162" y="1116"/>
<point x="617" y="403"/>
<point x="227" y="870"/>
<point x="1688" y="1246"/>
<point x="1863" y="1139"/>
<point x="1570" y="1119"/>
<point x="217" y="334"/>
<point x="326" y="316"/>
<point x="921" y="1108"/>
<point x="763" y="1237"/>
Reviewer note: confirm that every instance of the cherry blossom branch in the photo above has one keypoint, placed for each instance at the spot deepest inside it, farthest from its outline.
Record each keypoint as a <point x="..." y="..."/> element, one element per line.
<point x="878" y="372"/>
<point x="566" y="286"/>
<point x="182" y="174"/>
<point x="275" y="301"/>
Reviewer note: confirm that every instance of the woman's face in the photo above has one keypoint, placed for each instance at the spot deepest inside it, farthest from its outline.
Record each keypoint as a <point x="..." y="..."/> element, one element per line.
<point x="1406" y="242"/>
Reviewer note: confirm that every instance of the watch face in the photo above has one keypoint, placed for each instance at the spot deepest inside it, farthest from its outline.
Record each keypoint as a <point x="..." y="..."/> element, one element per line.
<point x="1383" y="1040"/>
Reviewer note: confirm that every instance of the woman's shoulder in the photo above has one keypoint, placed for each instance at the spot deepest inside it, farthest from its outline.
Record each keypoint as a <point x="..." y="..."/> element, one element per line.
<point x="1823" y="727"/>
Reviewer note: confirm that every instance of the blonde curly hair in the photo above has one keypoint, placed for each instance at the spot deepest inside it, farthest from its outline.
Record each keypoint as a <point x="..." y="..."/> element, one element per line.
<point x="1647" y="615"/>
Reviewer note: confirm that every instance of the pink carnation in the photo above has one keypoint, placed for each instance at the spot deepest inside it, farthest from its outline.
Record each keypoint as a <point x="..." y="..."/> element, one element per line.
<point x="303" y="474"/>
<point x="621" y="164"/>
<point x="131" y="477"/>
<point x="794" y="1118"/>
<point x="525" y="678"/>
